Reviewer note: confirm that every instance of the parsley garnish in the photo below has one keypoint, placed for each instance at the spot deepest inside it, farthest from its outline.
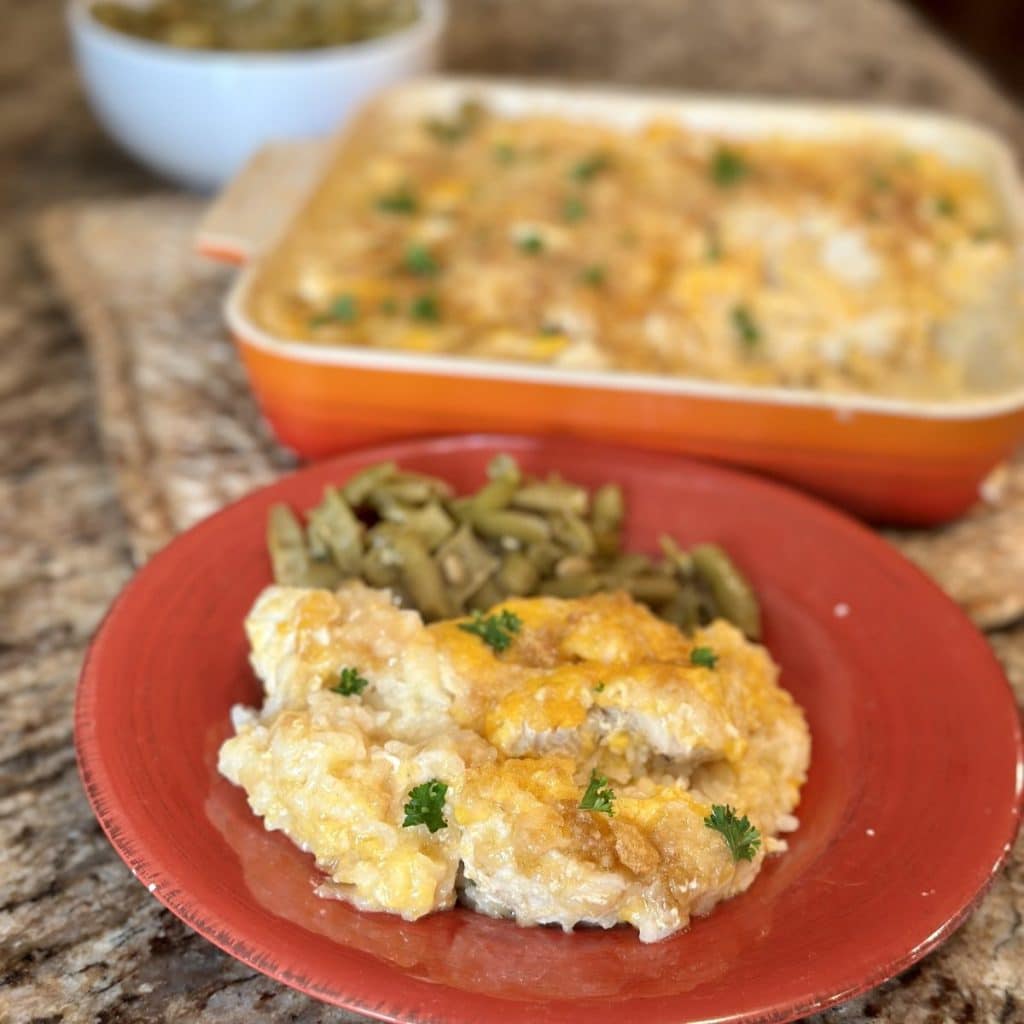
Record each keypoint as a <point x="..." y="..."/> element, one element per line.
<point x="425" y="805"/>
<point x="741" y="837"/>
<point x="746" y="326"/>
<point x="399" y="201"/>
<point x="599" y="687"/>
<point x="495" y="630"/>
<point x="945" y="206"/>
<point x="425" y="308"/>
<point x="705" y="657"/>
<point x="574" y="209"/>
<point x="590" y="167"/>
<point x="531" y="243"/>
<point x="593" y="276"/>
<point x="728" y="167"/>
<point x="344" y="309"/>
<point x="598" y="796"/>
<point x="350" y="683"/>
<point x="714" y="245"/>
<point x="418" y="260"/>
<point x="505" y="153"/>
<point x="447" y="131"/>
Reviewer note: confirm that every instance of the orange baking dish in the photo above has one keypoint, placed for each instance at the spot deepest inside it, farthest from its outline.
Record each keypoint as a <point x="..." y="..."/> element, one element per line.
<point x="887" y="459"/>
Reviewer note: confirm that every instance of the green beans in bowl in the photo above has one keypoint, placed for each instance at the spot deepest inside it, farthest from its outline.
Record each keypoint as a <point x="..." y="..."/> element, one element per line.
<point x="446" y="554"/>
<point x="257" y="25"/>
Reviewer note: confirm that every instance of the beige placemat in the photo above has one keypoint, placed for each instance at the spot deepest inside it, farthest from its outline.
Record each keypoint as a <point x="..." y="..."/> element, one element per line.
<point x="185" y="437"/>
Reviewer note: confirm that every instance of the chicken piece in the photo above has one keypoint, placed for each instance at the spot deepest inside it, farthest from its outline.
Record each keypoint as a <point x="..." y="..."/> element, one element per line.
<point x="332" y="779"/>
<point x="604" y="628"/>
<point x="302" y="639"/>
<point x="530" y="852"/>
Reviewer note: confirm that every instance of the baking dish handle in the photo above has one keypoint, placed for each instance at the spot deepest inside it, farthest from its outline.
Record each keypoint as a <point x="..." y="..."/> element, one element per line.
<point x="260" y="200"/>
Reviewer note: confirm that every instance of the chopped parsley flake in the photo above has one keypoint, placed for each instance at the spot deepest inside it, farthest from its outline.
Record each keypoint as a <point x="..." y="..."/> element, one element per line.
<point x="741" y="837"/>
<point x="399" y="201"/>
<point x="599" y="687"/>
<point x="344" y="309"/>
<point x="945" y="206"/>
<point x="574" y="209"/>
<point x="425" y="308"/>
<point x="714" y="246"/>
<point x="728" y="167"/>
<point x="418" y="260"/>
<point x="590" y="167"/>
<point x="598" y="795"/>
<point x="531" y="243"/>
<point x="505" y="153"/>
<point x="745" y="326"/>
<point x="495" y="630"/>
<point x="425" y="805"/>
<point x="704" y="657"/>
<point x="593" y="276"/>
<point x="350" y="683"/>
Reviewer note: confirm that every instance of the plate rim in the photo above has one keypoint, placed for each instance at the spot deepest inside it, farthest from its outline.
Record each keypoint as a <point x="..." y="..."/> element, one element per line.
<point x="133" y="850"/>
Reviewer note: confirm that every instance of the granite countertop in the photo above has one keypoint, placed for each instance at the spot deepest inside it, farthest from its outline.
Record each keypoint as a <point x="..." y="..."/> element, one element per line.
<point x="80" y="941"/>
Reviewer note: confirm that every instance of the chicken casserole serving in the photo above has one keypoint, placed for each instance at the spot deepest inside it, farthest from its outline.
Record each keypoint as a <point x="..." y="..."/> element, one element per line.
<point x="560" y="761"/>
<point x="854" y="265"/>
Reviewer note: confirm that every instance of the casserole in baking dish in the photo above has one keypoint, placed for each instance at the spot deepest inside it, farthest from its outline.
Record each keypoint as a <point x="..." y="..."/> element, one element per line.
<point x="828" y="294"/>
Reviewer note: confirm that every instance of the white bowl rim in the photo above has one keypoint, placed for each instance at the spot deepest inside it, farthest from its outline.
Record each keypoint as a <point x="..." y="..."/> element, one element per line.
<point x="429" y="23"/>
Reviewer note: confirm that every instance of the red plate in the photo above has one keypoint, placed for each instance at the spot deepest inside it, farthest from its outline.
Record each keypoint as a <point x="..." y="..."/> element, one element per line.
<point x="911" y="804"/>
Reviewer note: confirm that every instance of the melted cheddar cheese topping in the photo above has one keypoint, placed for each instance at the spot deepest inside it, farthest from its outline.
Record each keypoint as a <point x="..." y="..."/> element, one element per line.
<point x="594" y="685"/>
<point x="859" y="265"/>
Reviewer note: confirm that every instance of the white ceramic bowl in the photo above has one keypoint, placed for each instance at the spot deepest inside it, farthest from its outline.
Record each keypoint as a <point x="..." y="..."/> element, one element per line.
<point x="195" y="116"/>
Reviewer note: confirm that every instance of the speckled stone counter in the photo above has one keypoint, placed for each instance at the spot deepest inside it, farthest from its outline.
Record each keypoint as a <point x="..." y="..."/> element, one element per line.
<point x="80" y="941"/>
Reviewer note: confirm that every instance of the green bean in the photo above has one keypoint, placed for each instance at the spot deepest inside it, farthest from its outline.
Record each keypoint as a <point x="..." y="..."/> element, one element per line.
<point x="315" y="547"/>
<point x="544" y="555"/>
<point x="421" y="578"/>
<point x="460" y="509"/>
<point x="409" y="489"/>
<point x="485" y="597"/>
<point x="465" y="563"/>
<point x="681" y="561"/>
<point x="572" y="532"/>
<point x="608" y="508"/>
<point x="517" y="575"/>
<point x="684" y="610"/>
<point x="429" y="522"/>
<point x="517" y="526"/>
<point x="493" y="496"/>
<point x="651" y="589"/>
<point x="629" y="565"/>
<point x="379" y="565"/>
<point x="333" y="524"/>
<point x="553" y="496"/>
<point x="573" y="565"/>
<point x="358" y="488"/>
<point x="515" y="536"/>
<point x="732" y="593"/>
<point x="572" y="586"/>
<point x="503" y="467"/>
<point x="286" y="544"/>
<point x="322" y="575"/>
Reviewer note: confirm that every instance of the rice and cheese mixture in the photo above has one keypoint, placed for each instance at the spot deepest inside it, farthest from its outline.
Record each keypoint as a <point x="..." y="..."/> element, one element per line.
<point x="857" y="266"/>
<point x="570" y="774"/>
